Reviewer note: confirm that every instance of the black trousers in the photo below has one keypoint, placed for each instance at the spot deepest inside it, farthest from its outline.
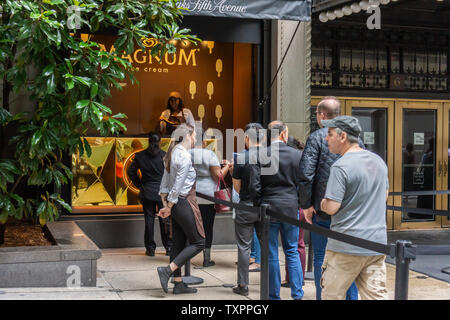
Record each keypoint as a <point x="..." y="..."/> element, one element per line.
<point x="208" y="216"/>
<point x="184" y="230"/>
<point x="150" y="210"/>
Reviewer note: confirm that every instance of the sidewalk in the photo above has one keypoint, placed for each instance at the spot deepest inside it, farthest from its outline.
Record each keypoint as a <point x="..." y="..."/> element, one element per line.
<point x="128" y="274"/>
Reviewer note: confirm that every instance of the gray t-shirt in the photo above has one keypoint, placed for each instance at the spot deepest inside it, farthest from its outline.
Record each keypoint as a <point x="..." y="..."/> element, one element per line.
<point x="359" y="181"/>
<point x="203" y="159"/>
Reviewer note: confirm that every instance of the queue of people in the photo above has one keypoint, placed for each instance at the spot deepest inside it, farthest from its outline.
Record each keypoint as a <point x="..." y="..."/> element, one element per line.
<point x="331" y="182"/>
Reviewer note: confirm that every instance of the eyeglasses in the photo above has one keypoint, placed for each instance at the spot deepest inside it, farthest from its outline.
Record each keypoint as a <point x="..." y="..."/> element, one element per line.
<point x="173" y="99"/>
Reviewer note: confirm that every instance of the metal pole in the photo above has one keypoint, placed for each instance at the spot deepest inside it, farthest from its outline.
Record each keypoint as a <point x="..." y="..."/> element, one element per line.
<point x="264" y="253"/>
<point x="402" y="261"/>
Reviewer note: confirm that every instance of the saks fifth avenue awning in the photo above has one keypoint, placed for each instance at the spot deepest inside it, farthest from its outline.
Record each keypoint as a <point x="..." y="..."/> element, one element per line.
<point x="250" y="9"/>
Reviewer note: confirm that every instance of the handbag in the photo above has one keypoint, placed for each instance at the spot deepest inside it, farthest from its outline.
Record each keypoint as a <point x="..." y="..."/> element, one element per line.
<point x="222" y="194"/>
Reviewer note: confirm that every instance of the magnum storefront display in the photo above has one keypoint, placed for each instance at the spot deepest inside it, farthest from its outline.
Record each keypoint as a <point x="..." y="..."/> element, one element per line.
<point x="101" y="183"/>
<point x="216" y="82"/>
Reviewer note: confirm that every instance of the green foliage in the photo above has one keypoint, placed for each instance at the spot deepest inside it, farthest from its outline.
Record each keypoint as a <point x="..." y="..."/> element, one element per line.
<point x="69" y="79"/>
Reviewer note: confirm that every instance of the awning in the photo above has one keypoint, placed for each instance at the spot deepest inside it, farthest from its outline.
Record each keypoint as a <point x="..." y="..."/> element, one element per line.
<point x="251" y="9"/>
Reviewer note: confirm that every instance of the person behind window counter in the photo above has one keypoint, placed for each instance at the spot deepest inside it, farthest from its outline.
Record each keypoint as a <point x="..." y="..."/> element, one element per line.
<point x="174" y="115"/>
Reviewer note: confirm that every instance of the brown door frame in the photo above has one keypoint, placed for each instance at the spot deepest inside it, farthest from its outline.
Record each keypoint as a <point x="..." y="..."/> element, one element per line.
<point x="389" y="105"/>
<point x="445" y="146"/>
<point x="399" y="106"/>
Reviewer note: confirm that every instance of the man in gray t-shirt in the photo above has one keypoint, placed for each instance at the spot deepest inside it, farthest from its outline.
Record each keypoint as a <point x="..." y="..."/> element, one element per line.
<point x="355" y="198"/>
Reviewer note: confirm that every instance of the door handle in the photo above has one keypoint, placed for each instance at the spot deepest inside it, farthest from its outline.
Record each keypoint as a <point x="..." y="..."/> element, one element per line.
<point x="445" y="167"/>
<point x="440" y="168"/>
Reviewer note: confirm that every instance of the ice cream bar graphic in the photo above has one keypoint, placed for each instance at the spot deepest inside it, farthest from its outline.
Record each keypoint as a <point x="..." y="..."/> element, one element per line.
<point x="192" y="89"/>
<point x="218" y="112"/>
<point x="201" y="112"/>
<point x="210" y="46"/>
<point x="210" y="89"/>
<point x="219" y="67"/>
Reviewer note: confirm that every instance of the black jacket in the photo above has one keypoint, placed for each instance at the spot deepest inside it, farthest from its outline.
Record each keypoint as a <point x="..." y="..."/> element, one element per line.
<point x="279" y="190"/>
<point x="315" y="170"/>
<point x="152" y="170"/>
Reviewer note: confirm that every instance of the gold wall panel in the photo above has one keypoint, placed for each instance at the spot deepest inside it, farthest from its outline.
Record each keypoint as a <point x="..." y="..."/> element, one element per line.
<point x="102" y="180"/>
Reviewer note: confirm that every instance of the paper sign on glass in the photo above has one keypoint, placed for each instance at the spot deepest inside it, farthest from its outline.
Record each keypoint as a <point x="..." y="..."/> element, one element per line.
<point x="369" y="137"/>
<point x="419" y="138"/>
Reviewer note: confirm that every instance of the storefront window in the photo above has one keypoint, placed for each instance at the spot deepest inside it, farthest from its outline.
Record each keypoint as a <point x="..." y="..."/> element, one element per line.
<point x="216" y="83"/>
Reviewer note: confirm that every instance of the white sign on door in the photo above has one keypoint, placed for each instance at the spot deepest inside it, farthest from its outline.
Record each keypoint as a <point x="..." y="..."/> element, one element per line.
<point x="419" y="138"/>
<point x="369" y="137"/>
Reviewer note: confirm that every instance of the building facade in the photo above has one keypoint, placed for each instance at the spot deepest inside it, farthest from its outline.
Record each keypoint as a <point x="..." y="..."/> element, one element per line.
<point x="387" y="62"/>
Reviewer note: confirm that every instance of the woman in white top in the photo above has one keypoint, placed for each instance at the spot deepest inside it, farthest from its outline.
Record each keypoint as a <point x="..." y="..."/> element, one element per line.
<point x="207" y="168"/>
<point x="174" y="115"/>
<point x="177" y="193"/>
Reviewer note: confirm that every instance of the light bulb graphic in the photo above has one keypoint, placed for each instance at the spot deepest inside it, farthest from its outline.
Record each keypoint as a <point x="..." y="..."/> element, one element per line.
<point x="218" y="112"/>
<point x="219" y="67"/>
<point x="201" y="112"/>
<point x="210" y="89"/>
<point x="192" y="89"/>
<point x="210" y="46"/>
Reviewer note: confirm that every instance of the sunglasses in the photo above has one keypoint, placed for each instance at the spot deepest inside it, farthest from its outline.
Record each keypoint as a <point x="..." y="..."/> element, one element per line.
<point x="173" y="99"/>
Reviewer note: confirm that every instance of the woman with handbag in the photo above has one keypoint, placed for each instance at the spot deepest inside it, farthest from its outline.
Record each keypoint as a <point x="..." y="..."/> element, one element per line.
<point x="177" y="193"/>
<point x="174" y="115"/>
<point x="209" y="176"/>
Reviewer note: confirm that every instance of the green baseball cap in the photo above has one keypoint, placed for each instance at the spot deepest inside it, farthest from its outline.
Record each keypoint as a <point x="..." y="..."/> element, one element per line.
<point x="345" y="123"/>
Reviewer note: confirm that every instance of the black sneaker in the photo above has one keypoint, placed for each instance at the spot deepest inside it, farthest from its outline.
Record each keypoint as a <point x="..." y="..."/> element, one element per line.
<point x="150" y="253"/>
<point x="209" y="263"/>
<point x="182" y="288"/>
<point x="243" y="291"/>
<point x="164" y="276"/>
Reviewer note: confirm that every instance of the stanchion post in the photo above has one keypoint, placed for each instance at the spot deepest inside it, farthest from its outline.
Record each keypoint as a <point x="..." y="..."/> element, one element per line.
<point x="264" y="252"/>
<point x="402" y="260"/>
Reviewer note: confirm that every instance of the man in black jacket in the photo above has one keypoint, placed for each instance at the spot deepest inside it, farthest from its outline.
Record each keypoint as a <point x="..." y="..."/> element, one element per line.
<point x="314" y="173"/>
<point x="276" y="184"/>
<point x="151" y="164"/>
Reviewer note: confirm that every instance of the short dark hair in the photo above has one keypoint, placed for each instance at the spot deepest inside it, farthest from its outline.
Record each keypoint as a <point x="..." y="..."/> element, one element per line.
<point x="331" y="106"/>
<point x="154" y="140"/>
<point x="255" y="132"/>
<point x="278" y="126"/>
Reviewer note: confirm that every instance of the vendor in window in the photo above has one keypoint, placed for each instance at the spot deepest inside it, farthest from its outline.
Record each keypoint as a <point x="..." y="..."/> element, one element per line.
<point x="174" y="115"/>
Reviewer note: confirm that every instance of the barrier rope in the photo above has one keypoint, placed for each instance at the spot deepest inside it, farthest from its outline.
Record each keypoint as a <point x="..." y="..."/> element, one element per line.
<point x="387" y="249"/>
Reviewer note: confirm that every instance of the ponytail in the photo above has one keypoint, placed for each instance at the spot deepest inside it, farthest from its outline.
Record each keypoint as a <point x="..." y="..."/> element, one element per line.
<point x="182" y="132"/>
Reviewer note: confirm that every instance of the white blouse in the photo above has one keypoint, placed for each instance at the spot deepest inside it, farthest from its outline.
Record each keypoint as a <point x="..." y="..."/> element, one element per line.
<point x="182" y="175"/>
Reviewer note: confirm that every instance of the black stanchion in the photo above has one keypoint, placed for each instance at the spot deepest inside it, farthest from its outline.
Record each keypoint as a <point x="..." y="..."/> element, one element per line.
<point x="403" y="257"/>
<point x="187" y="278"/>
<point x="264" y="218"/>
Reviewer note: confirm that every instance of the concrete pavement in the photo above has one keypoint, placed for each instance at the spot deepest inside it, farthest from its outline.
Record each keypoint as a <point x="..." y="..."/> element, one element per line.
<point x="128" y="274"/>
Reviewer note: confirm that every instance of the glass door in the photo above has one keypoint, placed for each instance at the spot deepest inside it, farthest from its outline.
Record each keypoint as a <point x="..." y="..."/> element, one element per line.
<point x="445" y="163"/>
<point x="377" y="123"/>
<point x="418" y="165"/>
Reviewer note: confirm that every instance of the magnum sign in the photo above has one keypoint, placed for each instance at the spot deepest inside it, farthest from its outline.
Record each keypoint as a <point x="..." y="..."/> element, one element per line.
<point x="253" y="9"/>
<point x="183" y="57"/>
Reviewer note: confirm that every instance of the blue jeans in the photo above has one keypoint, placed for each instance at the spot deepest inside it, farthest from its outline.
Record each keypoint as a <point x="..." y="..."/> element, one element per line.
<point x="319" y="245"/>
<point x="289" y="236"/>
<point x="256" y="249"/>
